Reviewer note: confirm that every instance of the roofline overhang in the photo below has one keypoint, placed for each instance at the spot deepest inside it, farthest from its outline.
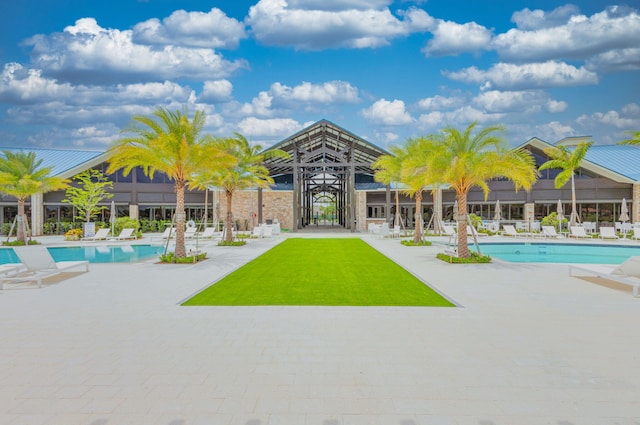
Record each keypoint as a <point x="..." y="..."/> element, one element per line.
<point x="69" y="173"/>
<point x="587" y="165"/>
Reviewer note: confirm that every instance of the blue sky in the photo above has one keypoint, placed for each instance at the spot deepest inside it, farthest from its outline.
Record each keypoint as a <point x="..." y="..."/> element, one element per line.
<point x="74" y="72"/>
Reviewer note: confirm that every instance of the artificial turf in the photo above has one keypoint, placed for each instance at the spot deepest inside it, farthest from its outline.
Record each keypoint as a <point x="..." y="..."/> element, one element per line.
<point x="321" y="272"/>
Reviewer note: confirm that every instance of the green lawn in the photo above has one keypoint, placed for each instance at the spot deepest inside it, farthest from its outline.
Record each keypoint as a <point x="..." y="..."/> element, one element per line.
<point x="326" y="272"/>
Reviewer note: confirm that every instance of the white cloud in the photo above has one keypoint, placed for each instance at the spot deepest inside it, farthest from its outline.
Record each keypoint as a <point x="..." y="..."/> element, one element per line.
<point x="535" y="19"/>
<point x="436" y="120"/>
<point x="555" y="106"/>
<point x="553" y="131"/>
<point x="212" y="29"/>
<point x="216" y="91"/>
<point x="527" y="76"/>
<point x="298" y="24"/>
<point x="440" y="102"/>
<point x="20" y="85"/>
<point x="275" y="127"/>
<point x="610" y="118"/>
<point x="616" y="60"/>
<point x="579" y="38"/>
<point x="511" y="101"/>
<point x="260" y="105"/>
<point x="384" y="112"/>
<point x="85" y="52"/>
<point x="336" y="5"/>
<point x="326" y="93"/>
<point x="450" y="38"/>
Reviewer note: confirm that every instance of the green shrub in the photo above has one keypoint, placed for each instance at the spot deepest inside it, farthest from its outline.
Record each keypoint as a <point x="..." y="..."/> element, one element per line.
<point x="474" y="259"/>
<point x="171" y="258"/>
<point x="20" y="243"/>
<point x="552" y="220"/>
<point x="232" y="243"/>
<point x="412" y="243"/>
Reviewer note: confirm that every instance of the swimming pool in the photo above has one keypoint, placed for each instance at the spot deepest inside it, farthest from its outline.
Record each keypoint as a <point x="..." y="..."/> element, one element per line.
<point x="94" y="254"/>
<point x="534" y="252"/>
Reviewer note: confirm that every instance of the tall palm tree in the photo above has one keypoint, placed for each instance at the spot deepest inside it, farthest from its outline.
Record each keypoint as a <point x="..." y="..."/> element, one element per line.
<point x="248" y="171"/>
<point x="414" y="174"/>
<point x="21" y="176"/>
<point x="634" y="140"/>
<point x="168" y="142"/>
<point x="388" y="170"/>
<point x="464" y="160"/>
<point x="569" y="160"/>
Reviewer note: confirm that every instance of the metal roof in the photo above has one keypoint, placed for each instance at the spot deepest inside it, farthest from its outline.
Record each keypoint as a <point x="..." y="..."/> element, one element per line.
<point x="620" y="163"/>
<point x="64" y="162"/>
<point x="327" y="145"/>
<point x="620" y="159"/>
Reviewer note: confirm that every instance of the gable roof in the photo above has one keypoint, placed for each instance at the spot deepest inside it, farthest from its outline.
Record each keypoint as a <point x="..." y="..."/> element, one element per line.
<point x="65" y="163"/>
<point x="620" y="163"/>
<point x="325" y="142"/>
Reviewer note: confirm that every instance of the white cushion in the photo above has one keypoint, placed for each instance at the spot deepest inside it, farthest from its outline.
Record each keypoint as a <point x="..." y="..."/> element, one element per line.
<point x="631" y="267"/>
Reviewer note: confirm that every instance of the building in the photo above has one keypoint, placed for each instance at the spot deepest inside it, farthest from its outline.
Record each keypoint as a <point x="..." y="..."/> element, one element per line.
<point x="328" y="181"/>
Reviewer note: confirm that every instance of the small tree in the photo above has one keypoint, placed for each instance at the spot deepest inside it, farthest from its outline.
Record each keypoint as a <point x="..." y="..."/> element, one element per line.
<point x="91" y="190"/>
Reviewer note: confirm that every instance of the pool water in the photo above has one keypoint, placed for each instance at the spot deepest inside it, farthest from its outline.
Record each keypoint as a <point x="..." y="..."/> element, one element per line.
<point x="94" y="254"/>
<point x="558" y="252"/>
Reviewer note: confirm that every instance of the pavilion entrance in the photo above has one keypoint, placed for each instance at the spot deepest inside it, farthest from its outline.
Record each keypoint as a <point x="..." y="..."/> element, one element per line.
<point x="326" y="162"/>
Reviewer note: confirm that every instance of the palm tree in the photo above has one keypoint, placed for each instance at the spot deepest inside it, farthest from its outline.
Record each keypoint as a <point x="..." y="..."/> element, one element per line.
<point x="247" y="172"/>
<point x="569" y="161"/>
<point x="635" y="139"/>
<point x="21" y="176"/>
<point x="414" y="174"/>
<point x="169" y="143"/>
<point x="388" y="170"/>
<point x="463" y="160"/>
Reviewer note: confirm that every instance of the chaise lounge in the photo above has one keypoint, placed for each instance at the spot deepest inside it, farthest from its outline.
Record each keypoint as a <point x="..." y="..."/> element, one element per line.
<point x="627" y="273"/>
<point x="39" y="264"/>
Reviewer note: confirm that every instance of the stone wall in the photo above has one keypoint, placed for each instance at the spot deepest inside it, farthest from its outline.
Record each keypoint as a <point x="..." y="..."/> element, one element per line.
<point x="361" y="211"/>
<point x="276" y="205"/>
<point x="635" y="207"/>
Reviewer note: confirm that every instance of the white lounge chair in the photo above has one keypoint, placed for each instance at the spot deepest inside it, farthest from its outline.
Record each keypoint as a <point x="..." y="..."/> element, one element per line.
<point x="257" y="232"/>
<point x="124" y="235"/>
<point x="471" y="231"/>
<point x="550" y="232"/>
<point x="510" y="230"/>
<point x="101" y="235"/>
<point x="627" y="273"/>
<point x="578" y="232"/>
<point x="208" y="233"/>
<point x="190" y="232"/>
<point x="451" y="232"/>
<point x="39" y="264"/>
<point x="636" y="233"/>
<point x="608" y="233"/>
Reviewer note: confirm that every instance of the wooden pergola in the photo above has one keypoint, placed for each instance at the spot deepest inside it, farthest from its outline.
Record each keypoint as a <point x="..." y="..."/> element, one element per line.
<point x="325" y="161"/>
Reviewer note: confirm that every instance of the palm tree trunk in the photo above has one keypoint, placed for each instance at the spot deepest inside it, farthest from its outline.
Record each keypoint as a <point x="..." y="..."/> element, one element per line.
<point x="20" y="231"/>
<point x="396" y="221"/>
<point x="417" y="235"/>
<point x="574" y="213"/>
<point x="228" y="221"/>
<point x="463" y="247"/>
<point x="181" y="251"/>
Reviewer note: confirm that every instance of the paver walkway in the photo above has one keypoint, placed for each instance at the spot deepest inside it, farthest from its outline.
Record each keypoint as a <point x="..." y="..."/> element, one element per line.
<point x="528" y="345"/>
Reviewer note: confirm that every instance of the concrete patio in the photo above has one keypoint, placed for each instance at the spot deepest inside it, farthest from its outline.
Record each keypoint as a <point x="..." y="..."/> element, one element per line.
<point x="527" y="345"/>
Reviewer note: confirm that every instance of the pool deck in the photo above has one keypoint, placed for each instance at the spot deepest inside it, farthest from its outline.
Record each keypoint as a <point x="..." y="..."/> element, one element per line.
<point x="526" y="345"/>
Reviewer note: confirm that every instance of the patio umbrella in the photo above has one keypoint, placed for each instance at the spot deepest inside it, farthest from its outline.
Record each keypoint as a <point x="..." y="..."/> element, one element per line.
<point x="112" y="216"/>
<point x="560" y="213"/>
<point x="498" y="215"/>
<point x="624" y="211"/>
<point x="624" y="216"/>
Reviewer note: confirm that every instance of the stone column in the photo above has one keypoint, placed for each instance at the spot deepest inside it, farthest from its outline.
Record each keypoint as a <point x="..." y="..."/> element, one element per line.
<point x="529" y="212"/>
<point x="134" y="212"/>
<point x="37" y="214"/>
<point x="635" y="204"/>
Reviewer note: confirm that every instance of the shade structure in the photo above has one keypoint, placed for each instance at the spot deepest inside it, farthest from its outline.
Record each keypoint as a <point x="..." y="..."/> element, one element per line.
<point x="624" y="211"/>
<point x="498" y="215"/>
<point x="112" y="216"/>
